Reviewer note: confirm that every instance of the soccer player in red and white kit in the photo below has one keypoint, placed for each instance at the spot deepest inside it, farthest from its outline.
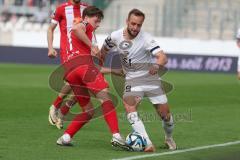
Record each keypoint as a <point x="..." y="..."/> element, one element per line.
<point x="64" y="16"/>
<point x="82" y="74"/>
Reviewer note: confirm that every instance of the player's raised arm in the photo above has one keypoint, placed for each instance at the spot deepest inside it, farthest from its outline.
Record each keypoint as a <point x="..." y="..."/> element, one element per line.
<point x="79" y="30"/>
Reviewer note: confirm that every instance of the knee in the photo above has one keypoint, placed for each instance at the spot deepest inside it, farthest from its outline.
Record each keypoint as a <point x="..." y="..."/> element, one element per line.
<point x="130" y="103"/>
<point x="131" y="100"/>
<point x="90" y="113"/>
<point x="164" y="112"/>
<point x="103" y="96"/>
<point x="89" y="110"/>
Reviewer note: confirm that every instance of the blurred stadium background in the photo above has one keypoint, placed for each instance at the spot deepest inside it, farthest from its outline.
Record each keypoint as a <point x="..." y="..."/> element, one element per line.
<point x="197" y="35"/>
<point x="204" y="19"/>
<point x="182" y="27"/>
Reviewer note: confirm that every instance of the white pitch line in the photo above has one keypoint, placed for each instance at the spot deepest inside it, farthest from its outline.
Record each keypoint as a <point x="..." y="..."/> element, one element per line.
<point x="179" y="151"/>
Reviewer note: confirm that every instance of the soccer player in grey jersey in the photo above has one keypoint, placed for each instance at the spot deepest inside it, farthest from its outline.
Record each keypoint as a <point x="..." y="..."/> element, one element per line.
<point x="141" y="58"/>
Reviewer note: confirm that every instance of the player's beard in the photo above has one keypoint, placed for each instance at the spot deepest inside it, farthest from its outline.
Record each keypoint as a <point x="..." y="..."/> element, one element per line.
<point x="130" y="33"/>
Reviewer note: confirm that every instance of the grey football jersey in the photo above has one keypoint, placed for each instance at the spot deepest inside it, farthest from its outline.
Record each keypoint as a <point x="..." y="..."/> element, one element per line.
<point x="136" y="55"/>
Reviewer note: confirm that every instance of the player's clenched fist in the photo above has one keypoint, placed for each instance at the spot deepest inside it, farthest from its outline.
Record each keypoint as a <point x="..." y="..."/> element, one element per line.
<point x="52" y="53"/>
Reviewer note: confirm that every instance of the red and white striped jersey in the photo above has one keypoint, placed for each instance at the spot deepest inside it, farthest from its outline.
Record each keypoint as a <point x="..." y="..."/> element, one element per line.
<point x="79" y="47"/>
<point x="64" y="15"/>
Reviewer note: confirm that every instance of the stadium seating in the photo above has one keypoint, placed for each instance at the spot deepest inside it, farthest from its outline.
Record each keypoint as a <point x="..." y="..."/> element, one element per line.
<point x="117" y="11"/>
<point x="205" y="19"/>
<point x="217" y="19"/>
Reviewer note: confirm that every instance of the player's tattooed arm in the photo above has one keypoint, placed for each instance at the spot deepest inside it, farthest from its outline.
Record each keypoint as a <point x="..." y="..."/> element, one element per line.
<point x="161" y="61"/>
<point x="52" y="53"/>
<point x="161" y="58"/>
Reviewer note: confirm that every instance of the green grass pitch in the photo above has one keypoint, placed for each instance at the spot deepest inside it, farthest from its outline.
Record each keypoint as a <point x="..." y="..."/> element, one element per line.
<point x="206" y="108"/>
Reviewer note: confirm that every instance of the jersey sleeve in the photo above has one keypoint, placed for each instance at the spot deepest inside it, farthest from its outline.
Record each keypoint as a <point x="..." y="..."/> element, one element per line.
<point x="151" y="45"/>
<point x="110" y="41"/>
<point x="56" y="16"/>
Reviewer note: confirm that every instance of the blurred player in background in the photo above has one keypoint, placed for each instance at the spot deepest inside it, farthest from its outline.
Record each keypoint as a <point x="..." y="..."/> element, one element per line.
<point x="84" y="77"/>
<point x="74" y="10"/>
<point x="137" y="51"/>
<point x="64" y="15"/>
<point x="238" y="44"/>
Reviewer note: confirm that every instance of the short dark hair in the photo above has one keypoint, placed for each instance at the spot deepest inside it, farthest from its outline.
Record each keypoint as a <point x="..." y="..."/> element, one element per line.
<point x="136" y="12"/>
<point x="92" y="11"/>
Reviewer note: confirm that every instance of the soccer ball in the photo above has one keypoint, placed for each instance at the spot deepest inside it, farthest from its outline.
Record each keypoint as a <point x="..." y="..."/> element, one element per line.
<point x="136" y="141"/>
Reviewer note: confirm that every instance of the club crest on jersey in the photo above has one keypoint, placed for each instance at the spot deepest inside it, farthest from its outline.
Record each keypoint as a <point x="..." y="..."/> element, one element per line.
<point x="124" y="45"/>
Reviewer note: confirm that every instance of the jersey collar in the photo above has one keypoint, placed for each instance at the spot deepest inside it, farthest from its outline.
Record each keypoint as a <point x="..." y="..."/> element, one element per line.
<point x="125" y="29"/>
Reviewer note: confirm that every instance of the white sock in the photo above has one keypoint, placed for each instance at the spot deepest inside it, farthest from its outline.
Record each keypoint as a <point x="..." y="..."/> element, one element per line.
<point x="168" y="127"/>
<point x="117" y="135"/>
<point x="138" y="125"/>
<point x="52" y="106"/>
<point x="66" y="137"/>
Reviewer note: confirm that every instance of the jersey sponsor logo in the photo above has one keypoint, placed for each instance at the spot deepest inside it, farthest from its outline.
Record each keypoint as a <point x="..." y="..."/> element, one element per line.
<point x="124" y="45"/>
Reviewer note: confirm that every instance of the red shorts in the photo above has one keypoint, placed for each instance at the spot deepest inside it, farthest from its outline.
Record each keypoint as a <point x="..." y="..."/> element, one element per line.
<point x="86" y="77"/>
<point x="83" y="97"/>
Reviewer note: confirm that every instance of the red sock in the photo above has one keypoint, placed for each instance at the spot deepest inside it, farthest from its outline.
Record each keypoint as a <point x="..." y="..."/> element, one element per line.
<point x="57" y="103"/>
<point x="64" y="109"/>
<point x="77" y="123"/>
<point x="110" y="116"/>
